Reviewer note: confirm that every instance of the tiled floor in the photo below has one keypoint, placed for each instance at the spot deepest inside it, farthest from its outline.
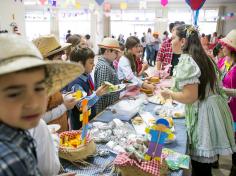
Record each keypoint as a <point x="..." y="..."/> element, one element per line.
<point x="225" y="166"/>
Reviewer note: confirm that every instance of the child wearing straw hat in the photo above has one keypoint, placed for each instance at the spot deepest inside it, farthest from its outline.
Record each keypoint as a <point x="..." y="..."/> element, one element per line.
<point x="105" y="71"/>
<point x="26" y="80"/>
<point x="58" y="104"/>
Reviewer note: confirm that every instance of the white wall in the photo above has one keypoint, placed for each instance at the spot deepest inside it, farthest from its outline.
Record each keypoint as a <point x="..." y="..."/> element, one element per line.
<point x="230" y="23"/>
<point x="8" y="9"/>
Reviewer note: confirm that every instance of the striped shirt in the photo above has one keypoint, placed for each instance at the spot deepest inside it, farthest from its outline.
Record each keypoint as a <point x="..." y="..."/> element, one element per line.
<point x="17" y="152"/>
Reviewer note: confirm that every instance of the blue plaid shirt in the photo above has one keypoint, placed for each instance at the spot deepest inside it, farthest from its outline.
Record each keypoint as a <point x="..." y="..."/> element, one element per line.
<point x="17" y="153"/>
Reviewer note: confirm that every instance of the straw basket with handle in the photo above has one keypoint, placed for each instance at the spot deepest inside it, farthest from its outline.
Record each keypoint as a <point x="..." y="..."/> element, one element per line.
<point x="74" y="150"/>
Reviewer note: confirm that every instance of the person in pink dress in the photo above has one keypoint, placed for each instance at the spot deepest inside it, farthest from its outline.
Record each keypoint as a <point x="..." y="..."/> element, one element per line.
<point x="229" y="80"/>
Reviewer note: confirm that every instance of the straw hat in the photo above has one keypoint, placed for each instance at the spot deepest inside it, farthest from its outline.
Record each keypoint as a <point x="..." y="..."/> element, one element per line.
<point x="110" y="43"/>
<point x="19" y="54"/>
<point x="48" y="45"/>
<point x="230" y="40"/>
<point x="155" y="33"/>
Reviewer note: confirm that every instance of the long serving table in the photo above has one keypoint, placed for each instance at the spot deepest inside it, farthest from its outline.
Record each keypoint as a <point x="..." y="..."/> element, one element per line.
<point x="100" y="163"/>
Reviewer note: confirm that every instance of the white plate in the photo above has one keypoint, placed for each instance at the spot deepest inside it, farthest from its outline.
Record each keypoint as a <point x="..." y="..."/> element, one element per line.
<point x="120" y="88"/>
<point x="54" y="127"/>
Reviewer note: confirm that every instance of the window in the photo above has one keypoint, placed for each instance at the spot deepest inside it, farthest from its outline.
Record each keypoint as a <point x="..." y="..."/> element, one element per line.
<point x="131" y="21"/>
<point x="37" y="23"/>
<point x="77" y="21"/>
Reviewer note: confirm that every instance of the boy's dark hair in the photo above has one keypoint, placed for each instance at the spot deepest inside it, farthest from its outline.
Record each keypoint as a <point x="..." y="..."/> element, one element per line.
<point x="81" y="55"/>
<point x="194" y="48"/>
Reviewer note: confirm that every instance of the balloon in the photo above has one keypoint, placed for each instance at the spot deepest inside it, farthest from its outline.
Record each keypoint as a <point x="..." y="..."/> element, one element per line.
<point x="42" y="2"/>
<point x="195" y="4"/>
<point x="164" y="2"/>
<point x="100" y="2"/>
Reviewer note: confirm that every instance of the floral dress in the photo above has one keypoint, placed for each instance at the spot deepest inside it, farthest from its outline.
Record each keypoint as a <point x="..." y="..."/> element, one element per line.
<point x="209" y="121"/>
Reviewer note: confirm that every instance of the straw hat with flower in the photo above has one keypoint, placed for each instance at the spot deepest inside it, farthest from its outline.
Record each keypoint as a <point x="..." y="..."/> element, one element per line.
<point x="230" y="40"/>
<point x="48" y="45"/>
<point x="110" y="43"/>
<point x="18" y="54"/>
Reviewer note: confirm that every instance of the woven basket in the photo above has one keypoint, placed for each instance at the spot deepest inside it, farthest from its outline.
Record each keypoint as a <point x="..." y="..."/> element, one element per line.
<point x="127" y="170"/>
<point x="79" y="153"/>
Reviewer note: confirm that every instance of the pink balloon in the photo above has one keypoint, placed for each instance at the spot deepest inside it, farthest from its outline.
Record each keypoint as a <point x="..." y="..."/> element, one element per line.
<point x="164" y="2"/>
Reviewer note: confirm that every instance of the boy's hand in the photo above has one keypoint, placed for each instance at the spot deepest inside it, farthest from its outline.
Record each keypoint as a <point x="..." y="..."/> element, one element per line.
<point x="103" y="89"/>
<point x="69" y="101"/>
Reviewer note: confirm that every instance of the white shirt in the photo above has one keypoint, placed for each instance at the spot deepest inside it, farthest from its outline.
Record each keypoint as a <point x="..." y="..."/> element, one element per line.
<point x="54" y="113"/>
<point x="149" y="39"/>
<point x="46" y="149"/>
<point x="125" y="72"/>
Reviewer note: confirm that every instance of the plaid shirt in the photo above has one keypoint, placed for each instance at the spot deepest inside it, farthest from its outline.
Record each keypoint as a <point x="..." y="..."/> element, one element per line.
<point x="17" y="153"/>
<point x="104" y="71"/>
<point x="165" y="54"/>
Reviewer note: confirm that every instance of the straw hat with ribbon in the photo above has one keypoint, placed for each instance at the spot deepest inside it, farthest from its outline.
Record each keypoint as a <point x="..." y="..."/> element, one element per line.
<point x="18" y="54"/>
<point x="110" y="43"/>
<point x="48" y="45"/>
<point x="230" y="40"/>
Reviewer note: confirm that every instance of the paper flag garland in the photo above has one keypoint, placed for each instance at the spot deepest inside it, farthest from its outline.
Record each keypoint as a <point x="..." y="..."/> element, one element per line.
<point x="100" y="2"/>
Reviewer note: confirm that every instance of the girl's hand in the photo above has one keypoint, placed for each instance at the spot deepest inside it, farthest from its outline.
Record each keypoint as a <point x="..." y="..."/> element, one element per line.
<point x="166" y="93"/>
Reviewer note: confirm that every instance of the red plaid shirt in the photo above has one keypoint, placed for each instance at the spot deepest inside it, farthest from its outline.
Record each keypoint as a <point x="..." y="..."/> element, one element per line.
<point x="165" y="54"/>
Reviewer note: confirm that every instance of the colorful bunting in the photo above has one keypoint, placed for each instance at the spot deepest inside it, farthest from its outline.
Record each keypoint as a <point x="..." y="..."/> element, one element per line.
<point x="123" y="5"/>
<point x="100" y="2"/>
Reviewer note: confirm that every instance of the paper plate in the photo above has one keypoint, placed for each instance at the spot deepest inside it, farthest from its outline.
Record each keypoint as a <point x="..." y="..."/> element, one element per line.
<point x="120" y="88"/>
<point x="54" y="127"/>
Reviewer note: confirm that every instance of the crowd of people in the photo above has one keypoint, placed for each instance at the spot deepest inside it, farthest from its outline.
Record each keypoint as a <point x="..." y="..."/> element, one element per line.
<point x="38" y="78"/>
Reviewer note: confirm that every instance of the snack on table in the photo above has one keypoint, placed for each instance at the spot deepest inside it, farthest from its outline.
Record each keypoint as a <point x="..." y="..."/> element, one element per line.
<point x="71" y="147"/>
<point x="137" y="120"/>
<point x="154" y="79"/>
<point x="148" y="92"/>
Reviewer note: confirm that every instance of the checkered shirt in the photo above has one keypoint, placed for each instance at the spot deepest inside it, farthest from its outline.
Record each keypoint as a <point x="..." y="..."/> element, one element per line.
<point x="152" y="167"/>
<point x="104" y="71"/>
<point x="17" y="153"/>
<point x="165" y="54"/>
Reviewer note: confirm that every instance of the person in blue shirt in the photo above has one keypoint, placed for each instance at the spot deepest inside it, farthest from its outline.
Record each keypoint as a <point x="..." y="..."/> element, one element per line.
<point x="84" y="82"/>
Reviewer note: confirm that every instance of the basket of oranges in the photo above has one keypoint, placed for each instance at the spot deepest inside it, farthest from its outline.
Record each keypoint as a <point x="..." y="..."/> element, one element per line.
<point x="72" y="147"/>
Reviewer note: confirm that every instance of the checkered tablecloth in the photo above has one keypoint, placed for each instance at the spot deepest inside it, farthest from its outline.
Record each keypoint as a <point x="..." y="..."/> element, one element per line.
<point x="180" y="145"/>
<point x="152" y="167"/>
<point x="98" y="165"/>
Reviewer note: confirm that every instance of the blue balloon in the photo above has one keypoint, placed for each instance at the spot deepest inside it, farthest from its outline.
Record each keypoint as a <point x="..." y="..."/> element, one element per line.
<point x="100" y="2"/>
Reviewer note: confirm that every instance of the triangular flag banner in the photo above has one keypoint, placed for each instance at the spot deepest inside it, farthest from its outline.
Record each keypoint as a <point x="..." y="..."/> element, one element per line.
<point x="123" y="5"/>
<point x="100" y="2"/>
<point x="195" y="4"/>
